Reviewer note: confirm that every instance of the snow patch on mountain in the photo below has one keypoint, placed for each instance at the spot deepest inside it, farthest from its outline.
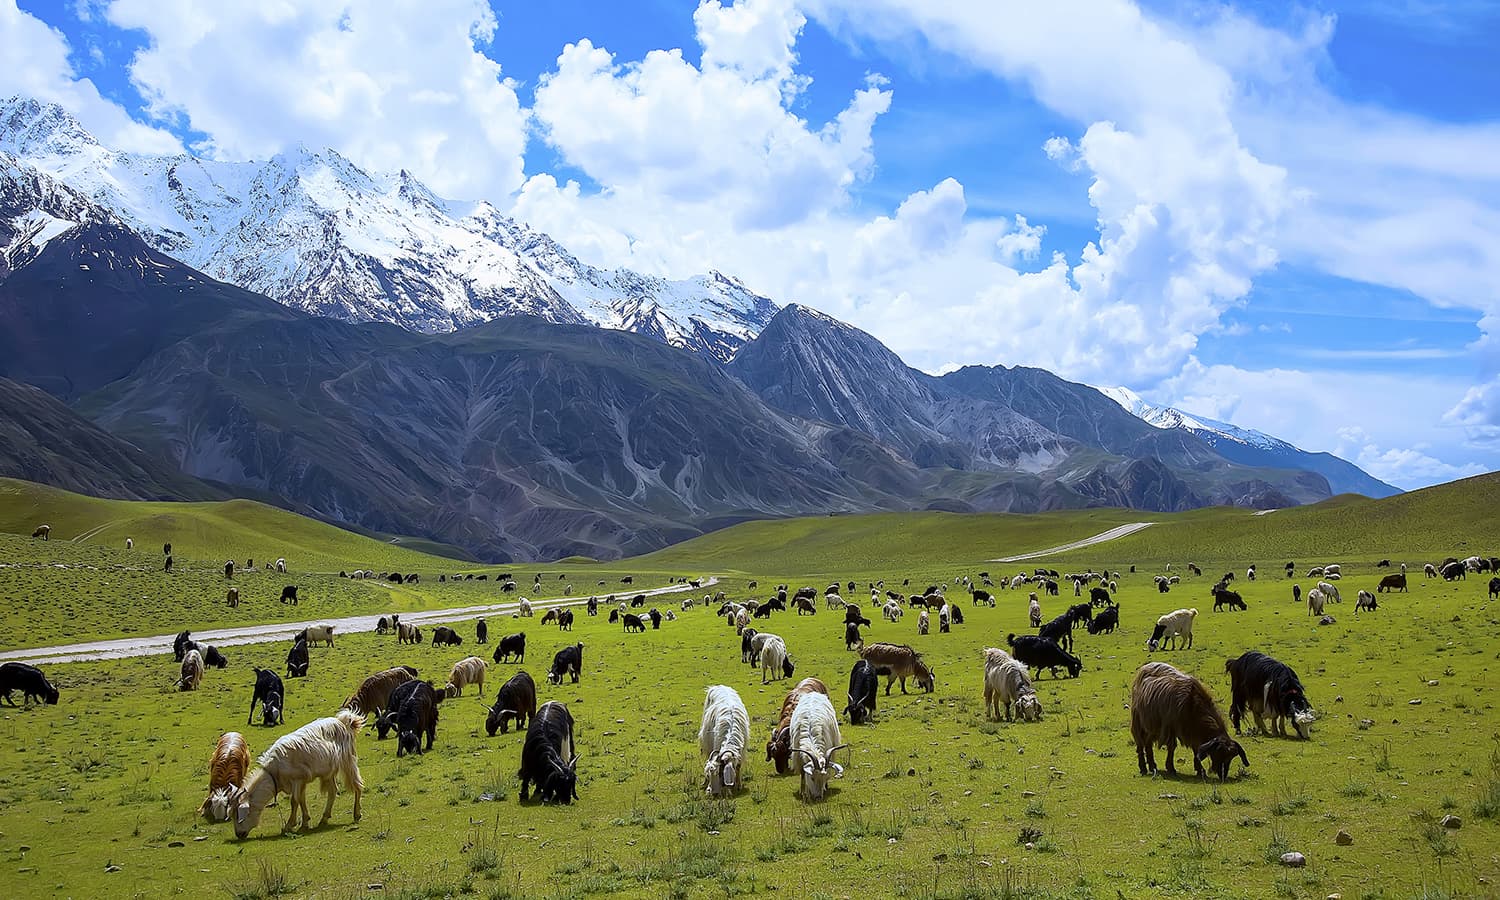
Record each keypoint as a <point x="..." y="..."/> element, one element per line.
<point x="1166" y="417"/>
<point x="316" y="232"/>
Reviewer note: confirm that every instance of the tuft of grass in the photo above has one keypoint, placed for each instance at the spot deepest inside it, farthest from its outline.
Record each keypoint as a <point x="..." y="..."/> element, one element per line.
<point x="267" y="881"/>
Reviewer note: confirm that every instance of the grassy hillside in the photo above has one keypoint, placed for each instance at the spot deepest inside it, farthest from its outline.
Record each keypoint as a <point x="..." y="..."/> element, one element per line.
<point x="232" y="529"/>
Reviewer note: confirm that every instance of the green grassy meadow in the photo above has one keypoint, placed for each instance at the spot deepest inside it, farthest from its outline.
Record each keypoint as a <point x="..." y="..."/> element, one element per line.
<point x="937" y="801"/>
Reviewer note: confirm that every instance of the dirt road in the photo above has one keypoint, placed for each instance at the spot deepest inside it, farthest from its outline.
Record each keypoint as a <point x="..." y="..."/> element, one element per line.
<point x="1112" y="534"/>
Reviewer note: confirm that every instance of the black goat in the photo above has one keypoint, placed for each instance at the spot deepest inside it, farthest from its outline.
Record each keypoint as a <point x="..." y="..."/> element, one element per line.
<point x="268" y="693"/>
<point x="863" y="684"/>
<point x="1228" y="598"/>
<point x="516" y="700"/>
<point x="633" y="622"/>
<point x="481" y="632"/>
<point x="443" y="636"/>
<point x="29" y="680"/>
<point x="1267" y="687"/>
<point x="512" y="645"/>
<point x="567" y="661"/>
<point x="549" y="758"/>
<point x="1043" y="653"/>
<point x="289" y="594"/>
<point x="1106" y="621"/>
<point x="179" y="645"/>
<point x="417" y="715"/>
<point x="296" y="660"/>
<point x="851" y="636"/>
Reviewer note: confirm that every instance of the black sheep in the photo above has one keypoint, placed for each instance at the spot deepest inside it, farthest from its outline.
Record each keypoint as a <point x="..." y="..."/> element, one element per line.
<point x="29" y="680"/>
<point x="267" y="686"/>
<point x="549" y="758"/>
<point x="863" y="683"/>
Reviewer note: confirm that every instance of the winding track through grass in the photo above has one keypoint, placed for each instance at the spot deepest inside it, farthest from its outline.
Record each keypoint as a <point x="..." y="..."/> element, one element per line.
<point x="1116" y="532"/>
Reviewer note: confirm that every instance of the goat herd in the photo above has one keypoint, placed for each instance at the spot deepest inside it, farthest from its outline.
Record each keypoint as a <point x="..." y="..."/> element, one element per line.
<point x="1167" y="706"/>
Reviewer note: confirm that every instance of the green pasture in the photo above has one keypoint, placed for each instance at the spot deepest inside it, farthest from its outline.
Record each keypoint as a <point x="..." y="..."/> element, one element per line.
<point x="937" y="801"/>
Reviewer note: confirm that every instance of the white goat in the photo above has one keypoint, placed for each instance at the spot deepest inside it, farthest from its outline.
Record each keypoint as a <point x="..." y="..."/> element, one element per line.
<point x="470" y="670"/>
<point x="1017" y="581"/>
<point x="721" y="739"/>
<point x="1315" y="602"/>
<point x="320" y="634"/>
<point x="1333" y="569"/>
<point x="281" y="565"/>
<point x="1330" y="592"/>
<point x="1006" y="682"/>
<point x="923" y="621"/>
<point x="1172" y="626"/>
<point x="772" y="659"/>
<point x="192" y="671"/>
<point x="1035" y="610"/>
<point x="815" y="738"/>
<point x="892" y="611"/>
<point x="321" y="750"/>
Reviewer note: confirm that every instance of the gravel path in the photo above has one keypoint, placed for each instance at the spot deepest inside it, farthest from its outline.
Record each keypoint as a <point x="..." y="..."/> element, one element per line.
<point x="282" y="631"/>
<point x="1100" y="538"/>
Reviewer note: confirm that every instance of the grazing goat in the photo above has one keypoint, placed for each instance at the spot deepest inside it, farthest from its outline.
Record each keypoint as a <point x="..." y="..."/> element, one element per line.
<point x="1041" y="653"/>
<point x="1228" y="598"/>
<point x="269" y="693"/>
<point x="1168" y="707"/>
<point x="481" y="632"/>
<point x="297" y="660"/>
<point x="1106" y="621"/>
<point x="565" y="620"/>
<point x="467" y="671"/>
<point x="899" y="661"/>
<point x="549" y="616"/>
<point x="374" y="693"/>
<point x="775" y="664"/>
<point x="407" y="633"/>
<point x="721" y="739"/>
<point x="1176" y="628"/>
<point x="1366" y="601"/>
<point x="42" y="531"/>
<point x="923" y="622"/>
<point x="227" y="768"/>
<point x="317" y="634"/>
<point x="192" y="671"/>
<point x="180" y="645"/>
<point x="1396" y="581"/>
<point x="416" y="716"/>
<point x="289" y="594"/>
<point x="779" y="747"/>
<point x="1268" y="688"/>
<point x="851" y="636"/>
<point x="523" y="607"/>
<point x="1060" y="630"/>
<point x="815" y="739"/>
<point x="27" y="679"/>
<point x="321" y="750"/>
<point x="748" y="651"/>
<point x="443" y="636"/>
<point x="1035" y="611"/>
<point x="633" y="622"/>
<point x="512" y="648"/>
<point x="863" y="689"/>
<point x="232" y="597"/>
<point x="1330" y="592"/>
<point x="516" y="700"/>
<point x="1006" y="683"/>
<point x="548" y="757"/>
<point x="1315" y="602"/>
<point x="567" y="661"/>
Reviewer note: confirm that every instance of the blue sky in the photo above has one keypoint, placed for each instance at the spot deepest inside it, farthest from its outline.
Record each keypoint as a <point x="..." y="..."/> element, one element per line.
<point x="1282" y="215"/>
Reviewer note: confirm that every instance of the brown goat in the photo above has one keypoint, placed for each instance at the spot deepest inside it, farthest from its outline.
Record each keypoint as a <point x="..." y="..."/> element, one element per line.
<point x="1168" y="707"/>
<point x="898" y="661"/>
<point x="374" y="693"/>
<point x="227" y="769"/>
<point x="779" y="747"/>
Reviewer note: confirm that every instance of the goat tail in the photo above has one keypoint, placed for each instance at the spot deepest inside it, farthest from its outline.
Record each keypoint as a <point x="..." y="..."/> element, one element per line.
<point x="351" y="720"/>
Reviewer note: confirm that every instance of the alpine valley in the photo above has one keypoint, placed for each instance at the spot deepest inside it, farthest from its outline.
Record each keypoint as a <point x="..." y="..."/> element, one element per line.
<point x="349" y="345"/>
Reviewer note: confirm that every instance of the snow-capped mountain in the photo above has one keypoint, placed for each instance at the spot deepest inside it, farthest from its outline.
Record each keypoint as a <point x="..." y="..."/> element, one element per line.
<point x="316" y="232"/>
<point x="1251" y="447"/>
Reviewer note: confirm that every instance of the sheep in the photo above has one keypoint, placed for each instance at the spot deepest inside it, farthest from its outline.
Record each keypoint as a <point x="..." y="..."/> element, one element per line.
<point x="1007" y="683"/>
<point x="516" y="700"/>
<point x="297" y="660"/>
<point x="1316" y="572"/>
<point x="1106" y="621"/>
<point x="567" y="661"/>
<point x="269" y="693"/>
<point x="1269" y="688"/>
<point x="1172" y="626"/>
<point x="779" y="747"/>
<point x="417" y="715"/>
<point x="317" y="634"/>
<point x="1366" y="600"/>
<point x="227" y="768"/>
<point x="192" y="671"/>
<point x="1332" y="569"/>
<point x="1041" y="653"/>
<point x="29" y="680"/>
<point x="407" y="633"/>
<point x="1330" y="592"/>
<point x="467" y="671"/>
<point x="1315" y="602"/>
<point x="922" y="622"/>
<point x="774" y="662"/>
<point x="42" y="531"/>
<point x="892" y="611"/>
<point x="523" y="607"/>
<point x="863" y="684"/>
<point x="443" y="636"/>
<point x="1168" y="707"/>
<point x="721" y="739"/>
<point x="549" y="757"/>
<point x="816" y="738"/>
<point x="899" y="661"/>
<point x="322" y="750"/>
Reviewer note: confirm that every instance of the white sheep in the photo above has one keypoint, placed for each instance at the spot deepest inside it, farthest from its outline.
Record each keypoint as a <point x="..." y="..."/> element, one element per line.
<point x="467" y="671"/>
<point x="321" y="750"/>
<point x="892" y="611"/>
<point x="1332" y="569"/>
<point x="772" y="659"/>
<point x="815" y="738"/>
<point x="1315" y="599"/>
<point x="1006" y="682"/>
<point x="758" y="643"/>
<point x="1172" y="626"/>
<point x="722" y="738"/>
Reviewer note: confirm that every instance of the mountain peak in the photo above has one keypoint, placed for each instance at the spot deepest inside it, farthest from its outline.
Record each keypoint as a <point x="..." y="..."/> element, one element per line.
<point x="30" y="128"/>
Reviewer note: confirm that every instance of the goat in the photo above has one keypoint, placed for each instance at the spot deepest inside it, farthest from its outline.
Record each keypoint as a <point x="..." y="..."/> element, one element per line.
<point x="42" y="531"/>
<point x="512" y="648"/>
<point x="816" y="738"/>
<point x="407" y="633"/>
<point x="467" y="671"/>
<point x="1396" y="581"/>
<point x="549" y="757"/>
<point x="417" y="715"/>
<point x="1228" y="598"/>
<point x="1041" y="653"/>
<point x="775" y="664"/>
<point x="227" y="768"/>
<point x="269" y="693"/>
<point x="322" y="750"/>
<point x="516" y="700"/>
<point x="567" y="661"/>
<point x="1315" y="602"/>
<point x="317" y="634"/>
<point x="1168" y="707"/>
<point x="29" y="680"/>
<point x="779" y="747"/>
<point x="633" y="622"/>
<point x="1267" y="687"/>
<point x="1106" y="621"/>
<point x="1366" y="600"/>
<point x="899" y="661"/>
<point x="297" y="659"/>
<point x="443" y="636"/>
<point x="1330" y="592"/>
<point x="1171" y="627"/>
<point x="1035" y="611"/>
<point x="1006" y="683"/>
<point x="851" y="636"/>
<point x="289" y="594"/>
<point x="863" y="685"/>
<point x="721" y="739"/>
<point x="481" y="632"/>
<point x="374" y="693"/>
<point x="192" y="671"/>
<point x="1060" y="630"/>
